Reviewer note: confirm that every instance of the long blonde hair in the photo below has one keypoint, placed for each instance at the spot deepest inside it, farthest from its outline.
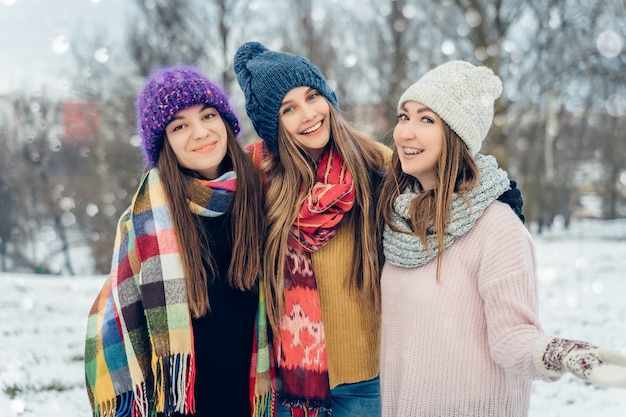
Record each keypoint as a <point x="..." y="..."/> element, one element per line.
<point x="247" y="223"/>
<point x="456" y="172"/>
<point x="291" y="175"/>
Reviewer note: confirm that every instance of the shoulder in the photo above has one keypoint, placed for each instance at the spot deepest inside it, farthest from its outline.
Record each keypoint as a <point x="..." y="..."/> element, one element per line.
<point x="499" y="213"/>
<point x="385" y="151"/>
<point x="378" y="154"/>
<point x="502" y="235"/>
<point x="255" y="146"/>
<point x="499" y="221"/>
<point x="258" y="152"/>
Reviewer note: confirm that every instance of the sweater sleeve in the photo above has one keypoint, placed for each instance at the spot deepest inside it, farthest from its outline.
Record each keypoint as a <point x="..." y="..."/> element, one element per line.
<point x="509" y="288"/>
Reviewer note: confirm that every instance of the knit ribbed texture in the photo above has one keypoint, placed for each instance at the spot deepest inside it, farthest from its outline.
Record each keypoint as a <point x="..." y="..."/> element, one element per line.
<point x="352" y="331"/>
<point x="462" y="95"/>
<point x="407" y="250"/>
<point x="168" y="91"/>
<point x="265" y="77"/>
<point x="464" y="346"/>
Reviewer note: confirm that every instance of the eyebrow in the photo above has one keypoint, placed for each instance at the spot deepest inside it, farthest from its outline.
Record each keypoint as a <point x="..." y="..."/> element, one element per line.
<point x="204" y="107"/>
<point x="422" y="109"/>
<point x="305" y="93"/>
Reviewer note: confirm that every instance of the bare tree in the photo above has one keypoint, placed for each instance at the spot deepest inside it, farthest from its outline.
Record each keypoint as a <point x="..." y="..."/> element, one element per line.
<point x="160" y="33"/>
<point x="41" y="211"/>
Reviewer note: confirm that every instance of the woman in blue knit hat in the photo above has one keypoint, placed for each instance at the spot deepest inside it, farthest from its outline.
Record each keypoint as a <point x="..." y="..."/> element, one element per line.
<point x="461" y="334"/>
<point x="321" y="263"/>
<point x="173" y="331"/>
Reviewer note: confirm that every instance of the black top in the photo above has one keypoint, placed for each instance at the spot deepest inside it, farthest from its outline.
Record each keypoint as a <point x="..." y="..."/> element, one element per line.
<point x="223" y="337"/>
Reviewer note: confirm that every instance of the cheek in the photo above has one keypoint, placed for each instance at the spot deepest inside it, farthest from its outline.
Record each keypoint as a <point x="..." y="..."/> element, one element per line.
<point x="323" y="107"/>
<point x="287" y="124"/>
<point x="396" y="133"/>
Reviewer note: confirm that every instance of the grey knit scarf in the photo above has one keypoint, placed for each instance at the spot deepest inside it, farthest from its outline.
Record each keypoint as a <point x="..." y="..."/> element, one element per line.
<point x="406" y="249"/>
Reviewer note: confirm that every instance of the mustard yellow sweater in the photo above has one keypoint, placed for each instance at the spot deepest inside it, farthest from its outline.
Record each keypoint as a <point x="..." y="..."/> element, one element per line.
<point x="352" y="330"/>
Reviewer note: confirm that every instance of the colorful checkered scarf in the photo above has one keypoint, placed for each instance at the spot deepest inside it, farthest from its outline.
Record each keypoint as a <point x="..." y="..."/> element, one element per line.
<point x="139" y="355"/>
<point x="301" y="344"/>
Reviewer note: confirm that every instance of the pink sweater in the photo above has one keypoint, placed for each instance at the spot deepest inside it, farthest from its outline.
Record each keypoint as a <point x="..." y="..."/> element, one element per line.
<point x="463" y="347"/>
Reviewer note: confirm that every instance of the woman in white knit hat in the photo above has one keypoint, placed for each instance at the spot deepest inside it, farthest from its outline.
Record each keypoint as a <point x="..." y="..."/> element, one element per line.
<point x="460" y="329"/>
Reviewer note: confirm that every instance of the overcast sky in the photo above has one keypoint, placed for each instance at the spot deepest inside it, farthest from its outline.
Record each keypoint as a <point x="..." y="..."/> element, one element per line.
<point x="34" y="35"/>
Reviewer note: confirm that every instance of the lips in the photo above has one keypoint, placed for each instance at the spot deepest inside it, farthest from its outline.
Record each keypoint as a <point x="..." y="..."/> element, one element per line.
<point x="205" y="147"/>
<point x="312" y="128"/>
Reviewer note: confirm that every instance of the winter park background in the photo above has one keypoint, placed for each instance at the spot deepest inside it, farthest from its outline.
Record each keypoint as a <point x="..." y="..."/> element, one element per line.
<point x="582" y="295"/>
<point x="70" y="71"/>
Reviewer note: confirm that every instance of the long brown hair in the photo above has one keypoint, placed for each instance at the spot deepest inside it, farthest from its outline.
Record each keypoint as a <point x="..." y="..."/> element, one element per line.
<point x="291" y="174"/>
<point x="456" y="172"/>
<point x="246" y="223"/>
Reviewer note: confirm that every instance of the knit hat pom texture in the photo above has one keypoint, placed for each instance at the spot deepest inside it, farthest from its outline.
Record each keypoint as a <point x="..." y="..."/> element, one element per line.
<point x="265" y="77"/>
<point x="168" y="91"/>
<point x="462" y="95"/>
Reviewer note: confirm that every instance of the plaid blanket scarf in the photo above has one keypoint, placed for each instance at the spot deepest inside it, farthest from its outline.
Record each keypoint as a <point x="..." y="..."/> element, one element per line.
<point x="139" y="352"/>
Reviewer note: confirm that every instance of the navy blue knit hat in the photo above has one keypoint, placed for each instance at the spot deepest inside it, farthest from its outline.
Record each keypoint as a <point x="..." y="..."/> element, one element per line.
<point x="168" y="91"/>
<point x="265" y="77"/>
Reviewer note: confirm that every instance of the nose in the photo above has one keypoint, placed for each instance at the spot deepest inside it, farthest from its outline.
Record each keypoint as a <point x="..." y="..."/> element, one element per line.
<point x="200" y="131"/>
<point x="403" y="131"/>
<point x="308" y="112"/>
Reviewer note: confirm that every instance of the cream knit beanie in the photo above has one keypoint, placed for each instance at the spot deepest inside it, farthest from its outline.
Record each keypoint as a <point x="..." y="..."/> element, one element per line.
<point x="462" y="95"/>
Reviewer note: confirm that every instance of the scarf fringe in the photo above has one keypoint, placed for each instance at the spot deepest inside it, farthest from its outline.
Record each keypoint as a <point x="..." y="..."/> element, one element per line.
<point x="141" y="403"/>
<point x="305" y="408"/>
<point x="120" y="406"/>
<point x="264" y="405"/>
<point x="174" y="384"/>
<point x="173" y="391"/>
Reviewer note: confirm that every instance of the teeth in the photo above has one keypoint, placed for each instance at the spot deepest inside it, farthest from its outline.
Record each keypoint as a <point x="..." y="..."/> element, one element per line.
<point x="313" y="128"/>
<point x="408" y="151"/>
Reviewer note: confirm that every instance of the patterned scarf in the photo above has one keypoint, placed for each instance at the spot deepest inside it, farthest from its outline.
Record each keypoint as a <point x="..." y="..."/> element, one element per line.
<point x="302" y="366"/>
<point x="139" y="357"/>
<point x="407" y="250"/>
<point x="301" y="343"/>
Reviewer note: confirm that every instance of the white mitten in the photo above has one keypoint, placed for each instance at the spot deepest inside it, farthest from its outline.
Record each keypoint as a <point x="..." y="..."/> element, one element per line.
<point x="602" y="367"/>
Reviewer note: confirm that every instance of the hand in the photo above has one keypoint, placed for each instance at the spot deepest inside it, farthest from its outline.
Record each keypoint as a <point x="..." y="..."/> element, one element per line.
<point x="602" y="367"/>
<point x="513" y="198"/>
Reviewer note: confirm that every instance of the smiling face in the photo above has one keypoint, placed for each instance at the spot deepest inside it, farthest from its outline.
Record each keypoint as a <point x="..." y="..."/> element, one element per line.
<point x="304" y="113"/>
<point x="419" y="138"/>
<point x="198" y="138"/>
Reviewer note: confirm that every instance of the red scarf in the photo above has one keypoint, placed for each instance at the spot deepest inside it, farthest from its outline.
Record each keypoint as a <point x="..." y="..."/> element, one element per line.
<point x="301" y="347"/>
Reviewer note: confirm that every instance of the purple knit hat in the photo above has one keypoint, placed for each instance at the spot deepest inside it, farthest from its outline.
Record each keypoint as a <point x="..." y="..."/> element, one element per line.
<point x="168" y="91"/>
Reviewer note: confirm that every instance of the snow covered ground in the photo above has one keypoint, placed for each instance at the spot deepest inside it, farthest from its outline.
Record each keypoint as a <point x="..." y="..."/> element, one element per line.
<point x="582" y="292"/>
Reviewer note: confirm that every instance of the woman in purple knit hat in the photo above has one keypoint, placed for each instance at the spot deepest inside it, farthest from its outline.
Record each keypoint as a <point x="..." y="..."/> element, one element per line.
<point x="173" y="330"/>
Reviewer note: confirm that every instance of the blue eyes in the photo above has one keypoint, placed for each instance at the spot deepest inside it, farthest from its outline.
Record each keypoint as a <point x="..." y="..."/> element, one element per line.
<point x="291" y="108"/>
<point x="404" y="117"/>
